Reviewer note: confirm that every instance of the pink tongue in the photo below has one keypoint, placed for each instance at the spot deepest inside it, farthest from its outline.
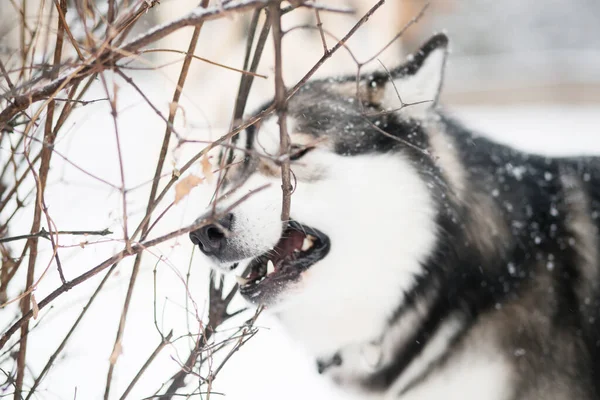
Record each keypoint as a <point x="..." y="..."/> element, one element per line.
<point x="292" y="240"/>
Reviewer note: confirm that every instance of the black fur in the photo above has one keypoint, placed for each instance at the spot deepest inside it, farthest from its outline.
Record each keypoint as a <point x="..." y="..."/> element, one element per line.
<point x="460" y="278"/>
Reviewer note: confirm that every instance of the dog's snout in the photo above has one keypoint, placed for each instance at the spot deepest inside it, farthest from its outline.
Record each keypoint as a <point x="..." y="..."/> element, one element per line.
<point x="212" y="238"/>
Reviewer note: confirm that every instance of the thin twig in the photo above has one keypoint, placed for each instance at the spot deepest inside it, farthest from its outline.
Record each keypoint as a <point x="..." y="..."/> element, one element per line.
<point x="62" y="345"/>
<point x="68" y="107"/>
<point x="43" y="233"/>
<point x="246" y="81"/>
<point x="71" y="81"/>
<point x="206" y="60"/>
<point x="410" y="23"/>
<point x="218" y="304"/>
<point x="137" y="248"/>
<point x="256" y="118"/>
<point x="63" y="22"/>
<point x="11" y="86"/>
<point x="164" y="341"/>
<point x="281" y="109"/>
<point x="320" y="28"/>
<point x="152" y="196"/>
<point x="41" y="178"/>
<point x="335" y="48"/>
<point x="327" y="8"/>
<point x="109" y="57"/>
<point x="123" y="188"/>
<point x="131" y="82"/>
<point x="243" y="93"/>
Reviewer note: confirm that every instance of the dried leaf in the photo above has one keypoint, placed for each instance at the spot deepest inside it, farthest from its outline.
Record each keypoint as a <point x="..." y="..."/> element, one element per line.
<point x="117" y="351"/>
<point x="173" y="106"/>
<point x="34" y="307"/>
<point x="185" y="185"/>
<point x="207" y="168"/>
<point x="115" y="94"/>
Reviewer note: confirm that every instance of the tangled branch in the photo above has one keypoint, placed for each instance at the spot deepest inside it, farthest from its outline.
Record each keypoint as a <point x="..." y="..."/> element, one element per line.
<point x="32" y="123"/>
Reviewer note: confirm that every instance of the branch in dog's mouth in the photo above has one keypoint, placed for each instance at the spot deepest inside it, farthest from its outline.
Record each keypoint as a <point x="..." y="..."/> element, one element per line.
<point x="298" y="249"/>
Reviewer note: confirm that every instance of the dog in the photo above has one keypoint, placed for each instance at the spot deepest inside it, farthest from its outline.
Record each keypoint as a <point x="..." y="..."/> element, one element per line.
<point x="421" y="260"/>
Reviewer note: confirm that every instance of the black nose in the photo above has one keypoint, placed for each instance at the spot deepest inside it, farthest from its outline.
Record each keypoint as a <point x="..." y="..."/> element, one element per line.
<point x="211" y="238"/>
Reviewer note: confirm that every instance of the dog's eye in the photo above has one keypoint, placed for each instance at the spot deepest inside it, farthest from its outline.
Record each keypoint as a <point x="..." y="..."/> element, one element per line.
<point x="297" y="151"/>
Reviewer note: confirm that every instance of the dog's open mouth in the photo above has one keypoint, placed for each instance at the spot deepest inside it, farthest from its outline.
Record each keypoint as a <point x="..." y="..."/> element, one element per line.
<point x="298" y="249"/>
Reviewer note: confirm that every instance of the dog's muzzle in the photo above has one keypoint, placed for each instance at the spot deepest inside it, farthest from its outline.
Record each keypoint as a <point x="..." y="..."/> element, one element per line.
<point x="267" y="274"/>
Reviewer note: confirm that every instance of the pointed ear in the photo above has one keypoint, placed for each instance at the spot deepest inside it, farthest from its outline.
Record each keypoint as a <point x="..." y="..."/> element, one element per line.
<point x="420" y="79"/>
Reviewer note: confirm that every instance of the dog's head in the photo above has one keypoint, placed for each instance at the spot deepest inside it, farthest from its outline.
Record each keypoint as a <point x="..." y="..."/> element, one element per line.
<point x="360" y="210"/>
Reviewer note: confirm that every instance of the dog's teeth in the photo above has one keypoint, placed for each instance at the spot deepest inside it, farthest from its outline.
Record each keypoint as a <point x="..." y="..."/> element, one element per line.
<point x="270" y="267"/>
<point x="307" y="243"/>
<point x="241" y="280"/>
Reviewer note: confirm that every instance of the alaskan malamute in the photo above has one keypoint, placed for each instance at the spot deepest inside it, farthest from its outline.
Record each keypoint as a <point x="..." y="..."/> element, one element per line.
<point x="421" y="261"/>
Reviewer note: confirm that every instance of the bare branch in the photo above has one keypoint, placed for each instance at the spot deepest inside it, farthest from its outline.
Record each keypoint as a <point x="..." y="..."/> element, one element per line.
<point x="410" y="23"/>
<point x="206" y="60"/>
<point x="62" y="345"/>
<point x="320" y="28"/>
<point x="40" y="178"/>
<point x="135" y="249"/>
<point x="110" y="57"/>
<point x="43" y="233"/>
<point x="164" y="341"/>
<point x="98" y="49"/>
<point x="153" y="190"/>
<point x="281" y="109"/>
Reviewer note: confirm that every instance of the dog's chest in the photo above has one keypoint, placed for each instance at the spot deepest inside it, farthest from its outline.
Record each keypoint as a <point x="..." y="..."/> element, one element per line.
<point x="474" y="377"/>
<point x="470" y="375"/>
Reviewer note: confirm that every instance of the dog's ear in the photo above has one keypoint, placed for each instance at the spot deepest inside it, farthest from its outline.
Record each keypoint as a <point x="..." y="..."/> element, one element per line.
<point x="419" y="80"/>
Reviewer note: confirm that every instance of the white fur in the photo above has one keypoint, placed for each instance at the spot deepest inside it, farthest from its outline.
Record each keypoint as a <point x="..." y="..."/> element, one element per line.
<point x="435" y="349"/>
<point x="373" y="204"/>
<point x="473" y="376"/>
<point x="444" y="152"/>
<point x="423" y="87"/>
<point x="363" y="358"/>
<point x="579" y="222"/>
<point x="369" y="206"/>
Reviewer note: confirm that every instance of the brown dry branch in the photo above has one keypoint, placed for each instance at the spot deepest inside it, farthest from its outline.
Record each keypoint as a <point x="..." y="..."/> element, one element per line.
<point x="217" y="305"/>
<point x="123" y="254"/>
<point x="107" y="56"/>
<point x="63" y="343"/>
<point x="281" y="109"/>
<point x="163" y="342"/>
<point x="242" y="95"/>
<point x="80" y="56"/>
<point x="150" y="205"/>
<point x="321" y="33"/>
<point x="43" y="233"/>
<point x="178" y="380"/>
<point x="41" y="179"/>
